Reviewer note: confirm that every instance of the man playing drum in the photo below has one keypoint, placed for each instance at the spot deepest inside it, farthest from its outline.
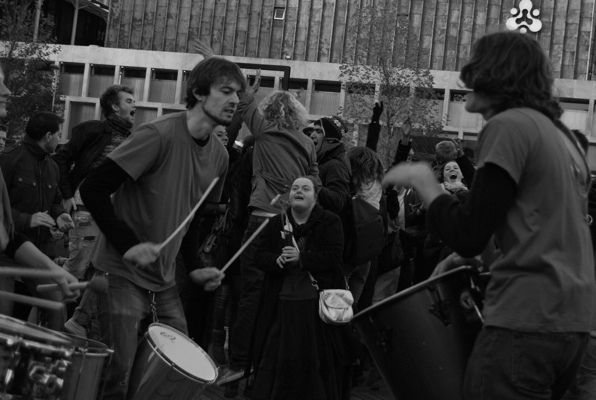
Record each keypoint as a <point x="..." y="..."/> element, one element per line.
<point x="530" y="192"/>
<point x="158" y="176"/>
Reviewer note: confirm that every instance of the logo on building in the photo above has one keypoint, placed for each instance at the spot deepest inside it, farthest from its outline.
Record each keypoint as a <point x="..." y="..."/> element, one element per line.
<point x="525" y="18"/>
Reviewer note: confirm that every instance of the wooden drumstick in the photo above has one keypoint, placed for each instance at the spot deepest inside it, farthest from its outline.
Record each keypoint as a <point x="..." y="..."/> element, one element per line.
<point x="194" y="210"/>
<point x="29" y="273"/>
<point x="98" y="284"/>
<point x="245" y="245"/>
<point x="34" y="301"/>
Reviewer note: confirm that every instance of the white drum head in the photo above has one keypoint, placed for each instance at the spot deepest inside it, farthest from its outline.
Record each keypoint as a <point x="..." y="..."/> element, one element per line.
<point x="185" y="354"/>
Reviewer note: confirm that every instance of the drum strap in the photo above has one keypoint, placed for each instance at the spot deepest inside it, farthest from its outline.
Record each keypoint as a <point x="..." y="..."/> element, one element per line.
<point x="153" y="307"/>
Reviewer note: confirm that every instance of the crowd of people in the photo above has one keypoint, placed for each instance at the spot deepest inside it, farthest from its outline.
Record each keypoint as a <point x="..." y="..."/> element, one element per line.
<point x="520" y="207"/>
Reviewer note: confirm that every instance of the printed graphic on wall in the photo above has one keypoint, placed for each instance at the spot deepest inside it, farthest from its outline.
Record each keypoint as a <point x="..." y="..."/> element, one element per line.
<point x="524" y="18"/>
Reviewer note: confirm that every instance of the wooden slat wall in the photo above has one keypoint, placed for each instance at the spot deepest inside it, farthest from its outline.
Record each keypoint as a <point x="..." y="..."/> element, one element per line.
<point x="442" y="31"/>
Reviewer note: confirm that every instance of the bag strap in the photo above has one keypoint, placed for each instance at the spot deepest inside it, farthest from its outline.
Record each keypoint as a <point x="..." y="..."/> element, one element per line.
<point x="314" y="281"/>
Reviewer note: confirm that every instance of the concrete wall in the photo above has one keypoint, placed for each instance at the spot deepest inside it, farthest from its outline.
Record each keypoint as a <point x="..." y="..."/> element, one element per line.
<point x="159" y="96"/>
<point x="442" y="31"/>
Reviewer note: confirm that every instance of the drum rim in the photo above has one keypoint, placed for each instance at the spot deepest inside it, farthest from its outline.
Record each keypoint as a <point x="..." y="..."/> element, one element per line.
<point x="57" y="337"/>
<point x="172" y="364"/>
<point x="410" y="291"/>
<point x="94" y="350"/>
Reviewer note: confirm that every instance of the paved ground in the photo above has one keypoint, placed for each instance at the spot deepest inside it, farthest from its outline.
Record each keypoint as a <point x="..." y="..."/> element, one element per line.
<point x="377" y="391"/>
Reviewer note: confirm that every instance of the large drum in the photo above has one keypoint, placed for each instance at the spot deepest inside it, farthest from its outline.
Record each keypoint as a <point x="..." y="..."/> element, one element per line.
<point x="421" y="338"/>
<point x="89" y="359"/>
<point x="34" y="361"/>
<point x="169" y="365"/>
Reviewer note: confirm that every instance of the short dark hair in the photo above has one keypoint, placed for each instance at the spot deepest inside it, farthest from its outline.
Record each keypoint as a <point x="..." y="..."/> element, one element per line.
<point x="316" y="186"/>
<point x="208" y="73"/>
<point x="110" y="97"/>
<point x="42" y="123"/>
<point x="513" y="69"/>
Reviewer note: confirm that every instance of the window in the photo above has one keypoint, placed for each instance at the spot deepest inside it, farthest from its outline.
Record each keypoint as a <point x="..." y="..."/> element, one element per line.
<point x="279" y="13"/>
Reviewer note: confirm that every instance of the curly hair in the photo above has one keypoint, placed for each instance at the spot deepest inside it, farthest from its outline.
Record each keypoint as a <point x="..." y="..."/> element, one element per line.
<point x="366" y="166"/>
<point x="283" y="107"/>
<point x="445" y="151"/>
<point x="110" y="97"/>
<point x="511" y="68"/>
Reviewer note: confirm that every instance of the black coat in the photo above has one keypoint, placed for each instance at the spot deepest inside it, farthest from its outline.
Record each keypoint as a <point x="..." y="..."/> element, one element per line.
<point x="334" y="172"/>
<point x="87" y="142"/>
<point x="31" y="178"/>
<point x="321" y="256"/>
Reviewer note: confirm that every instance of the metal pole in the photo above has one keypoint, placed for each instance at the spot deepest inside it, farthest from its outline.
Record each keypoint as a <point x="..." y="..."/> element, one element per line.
<point x="74" y="24"/>
<point x="38" y="5"/>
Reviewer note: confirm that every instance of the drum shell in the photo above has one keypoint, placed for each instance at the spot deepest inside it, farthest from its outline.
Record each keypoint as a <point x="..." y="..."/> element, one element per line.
<point x="87" y="363"/>
<point x="420" y="352"/>
<point x="155" y="377"/>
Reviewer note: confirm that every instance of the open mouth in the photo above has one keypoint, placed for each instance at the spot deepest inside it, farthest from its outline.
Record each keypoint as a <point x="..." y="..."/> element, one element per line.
<point x="453" y="177"/>
<point x="132" y="113"/>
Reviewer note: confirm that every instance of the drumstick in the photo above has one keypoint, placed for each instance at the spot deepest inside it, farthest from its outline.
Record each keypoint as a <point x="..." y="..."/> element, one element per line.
<point x="34" y="301"/>
<point x="29" y="273"/>
<point x="194" y="210"/>
<point x="98" y="284"/>
<point x="254" y="235"/>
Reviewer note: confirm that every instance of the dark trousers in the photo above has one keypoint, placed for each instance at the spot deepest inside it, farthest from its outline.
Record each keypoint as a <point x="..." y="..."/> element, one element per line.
<point x="251" y="283"/>
<point x="507" y="364"/>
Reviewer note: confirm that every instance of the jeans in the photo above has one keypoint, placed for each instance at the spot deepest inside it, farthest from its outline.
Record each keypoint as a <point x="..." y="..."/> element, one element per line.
<point x="584" y="385"/>
<point x="81" y="242"/>
<point x="507" y="364"/>
<point x="252" y="280"/>
<point x="124" y="316"/>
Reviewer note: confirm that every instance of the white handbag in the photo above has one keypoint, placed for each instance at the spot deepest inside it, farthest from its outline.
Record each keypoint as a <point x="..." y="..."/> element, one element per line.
<point x="335" y="305"/>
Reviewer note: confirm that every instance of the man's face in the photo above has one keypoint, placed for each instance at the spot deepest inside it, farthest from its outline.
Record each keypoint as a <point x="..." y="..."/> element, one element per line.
<point x="126" y="107"/>
<point x="52" y="143"/>
<point x="318" y="136"/>
<point x="4" y="93"/>
<point x="2" y="140"/>
<point x="220" y="132"/>
<point x="221" y="102"/>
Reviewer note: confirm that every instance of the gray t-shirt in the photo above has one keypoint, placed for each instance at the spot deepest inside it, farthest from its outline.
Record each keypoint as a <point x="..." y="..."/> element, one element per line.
<point x="545" y="279"/>
<point x="170" y="173"/>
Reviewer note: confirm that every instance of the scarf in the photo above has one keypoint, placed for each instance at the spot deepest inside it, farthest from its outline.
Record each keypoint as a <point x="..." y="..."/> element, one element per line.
<point x="118" y="124"/>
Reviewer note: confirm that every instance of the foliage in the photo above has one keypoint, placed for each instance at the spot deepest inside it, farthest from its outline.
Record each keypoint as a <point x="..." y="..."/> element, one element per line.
<point x="383" y="66"/>
<point x="27" y="64"/>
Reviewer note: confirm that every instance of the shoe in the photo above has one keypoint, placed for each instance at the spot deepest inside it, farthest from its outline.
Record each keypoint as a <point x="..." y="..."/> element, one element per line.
<point x="73" y="327"/>
<point x="230" y="376"/>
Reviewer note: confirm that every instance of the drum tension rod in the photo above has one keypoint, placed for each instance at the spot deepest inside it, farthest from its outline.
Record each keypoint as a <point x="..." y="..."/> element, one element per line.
<point x="384" y="336"/>
<point x="440" y="308"/>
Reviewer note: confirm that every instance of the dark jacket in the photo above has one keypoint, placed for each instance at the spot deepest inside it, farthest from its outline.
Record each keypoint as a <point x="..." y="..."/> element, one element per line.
<point x="334" y="172"/>
<point x="32" y="181"/>
<point x="87" y="142"/>
<point x="321" y="256"/>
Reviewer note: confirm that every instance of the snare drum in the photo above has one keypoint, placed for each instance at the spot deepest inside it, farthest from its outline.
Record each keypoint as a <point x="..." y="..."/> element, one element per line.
<point x="421" y="338"/>
<point x="168" y="365"/>
<point x="34" y="361"/>
<point x="88" y="361"/>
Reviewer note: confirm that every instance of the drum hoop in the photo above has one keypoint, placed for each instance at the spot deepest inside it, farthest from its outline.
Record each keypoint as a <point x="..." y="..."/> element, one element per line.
<point x="410" y="291"/>
<point x="171" y="363"/>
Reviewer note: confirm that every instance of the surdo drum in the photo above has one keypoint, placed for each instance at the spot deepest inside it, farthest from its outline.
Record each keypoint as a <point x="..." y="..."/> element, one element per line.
<point x="421" y="338"/>
<point x="168" y="365"/>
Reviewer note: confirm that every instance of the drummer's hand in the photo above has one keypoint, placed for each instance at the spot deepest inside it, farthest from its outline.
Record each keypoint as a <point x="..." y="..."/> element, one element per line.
<point x="210" y="278"/>
<point x="142" y="254"/>
<point x="63" y="281"/>
<point x="453" y="260"/>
